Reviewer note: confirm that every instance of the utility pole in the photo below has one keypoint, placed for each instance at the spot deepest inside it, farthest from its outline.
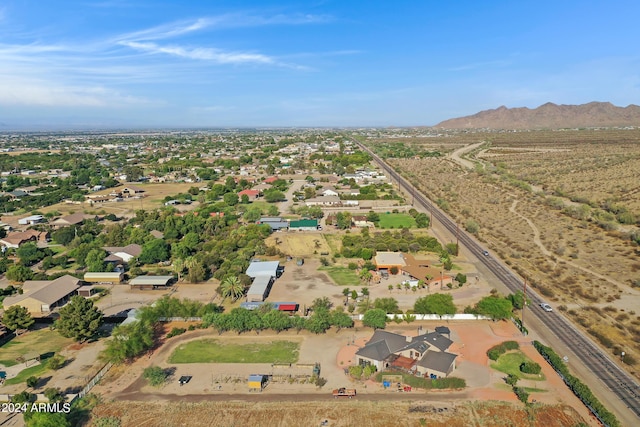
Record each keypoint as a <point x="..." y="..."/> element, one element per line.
<point x="524" y="302"/>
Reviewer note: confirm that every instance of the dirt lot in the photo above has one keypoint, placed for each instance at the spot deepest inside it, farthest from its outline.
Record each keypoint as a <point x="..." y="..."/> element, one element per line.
<point x="342" y="413"/>
<point x="582" y="269"/>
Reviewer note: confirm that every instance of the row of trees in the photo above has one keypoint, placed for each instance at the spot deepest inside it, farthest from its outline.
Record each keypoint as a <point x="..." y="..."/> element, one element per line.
<point x="366" y="243"/>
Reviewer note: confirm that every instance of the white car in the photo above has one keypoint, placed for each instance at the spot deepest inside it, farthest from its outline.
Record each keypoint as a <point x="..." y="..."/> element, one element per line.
<point x="546" y="307"/>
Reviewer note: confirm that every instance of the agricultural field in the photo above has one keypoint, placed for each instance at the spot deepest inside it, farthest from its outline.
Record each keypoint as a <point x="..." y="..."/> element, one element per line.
<point x="559" y="208"/>
<point x="346" y="413"/>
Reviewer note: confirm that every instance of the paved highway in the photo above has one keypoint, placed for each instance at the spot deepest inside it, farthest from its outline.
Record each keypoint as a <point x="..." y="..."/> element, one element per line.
<point x="599" y="363"/>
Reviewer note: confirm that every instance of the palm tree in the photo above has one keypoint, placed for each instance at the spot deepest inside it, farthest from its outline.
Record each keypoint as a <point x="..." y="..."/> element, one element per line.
<point x="232" y="287"/>
<point x="178" y="267"/>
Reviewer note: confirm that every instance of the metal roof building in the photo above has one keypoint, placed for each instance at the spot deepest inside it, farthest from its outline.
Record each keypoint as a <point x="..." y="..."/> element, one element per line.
<point x="263" y="268"/>
<point x="150" y="282"/>
<point x="260" y="288"/>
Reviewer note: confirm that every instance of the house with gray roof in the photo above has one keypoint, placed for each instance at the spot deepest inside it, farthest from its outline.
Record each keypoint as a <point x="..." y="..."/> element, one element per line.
<point x="424" y="355"/>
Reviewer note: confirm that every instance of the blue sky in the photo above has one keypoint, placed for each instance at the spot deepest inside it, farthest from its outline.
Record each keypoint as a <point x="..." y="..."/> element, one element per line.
<point x="155" y="63"/>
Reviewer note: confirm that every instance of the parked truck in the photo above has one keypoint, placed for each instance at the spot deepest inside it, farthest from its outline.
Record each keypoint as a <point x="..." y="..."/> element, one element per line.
<point x="344" y="392"/>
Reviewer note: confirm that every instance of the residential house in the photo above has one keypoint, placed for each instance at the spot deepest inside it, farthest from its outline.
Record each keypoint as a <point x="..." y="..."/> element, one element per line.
<point x="250" y="193"/>
<point x="42" y="296"/>
<point x="122" y="254"/>
<point x="131" y="191"/>
<point x="17" y="239"/>
<point x="323" y="201"/>
<point x="73" y="219"/>
<point x="424" y="355"/>
<point x="388" y="260"/>
<point x="329" y="192"/>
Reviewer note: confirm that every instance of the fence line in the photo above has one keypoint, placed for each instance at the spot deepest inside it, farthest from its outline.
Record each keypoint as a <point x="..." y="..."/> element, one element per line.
<point x="87" y="388"/>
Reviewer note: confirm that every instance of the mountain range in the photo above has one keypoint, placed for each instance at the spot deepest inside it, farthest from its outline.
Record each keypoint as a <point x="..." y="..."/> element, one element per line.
<point x="549" y="116"/>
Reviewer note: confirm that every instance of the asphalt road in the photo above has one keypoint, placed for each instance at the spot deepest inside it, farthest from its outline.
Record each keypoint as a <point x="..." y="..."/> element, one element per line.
<point x="598" y="363"/>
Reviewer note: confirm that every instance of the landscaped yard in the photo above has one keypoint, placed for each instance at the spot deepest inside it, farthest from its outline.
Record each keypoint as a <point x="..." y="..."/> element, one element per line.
<point x="396" y="220"/>
<point x="38" y="342"/>
<point x="509" y="363"/>
<point x="342" y="275"/>
<point x="213" y="351"/>
<point x="32" y="371"/>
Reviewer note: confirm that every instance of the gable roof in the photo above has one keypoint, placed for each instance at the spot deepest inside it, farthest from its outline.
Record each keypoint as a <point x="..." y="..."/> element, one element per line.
<point x="132" y="249"/>
<point x="383" y="343"/>
<point x="437" y="361"/>
<point x="45" y="291"/>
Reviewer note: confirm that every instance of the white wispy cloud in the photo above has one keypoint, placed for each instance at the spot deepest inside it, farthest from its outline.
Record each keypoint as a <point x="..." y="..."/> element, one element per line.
<point x="24" y="91"/>
<point x="201" y="53"/>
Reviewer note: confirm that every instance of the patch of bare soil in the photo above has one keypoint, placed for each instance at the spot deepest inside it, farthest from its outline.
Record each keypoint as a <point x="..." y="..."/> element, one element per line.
<point x="336" y="413"/>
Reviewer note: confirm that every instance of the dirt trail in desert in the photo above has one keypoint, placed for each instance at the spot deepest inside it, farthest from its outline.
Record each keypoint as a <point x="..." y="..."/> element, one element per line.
<point x="455" y="156"/>
<point x="547" y="252"/>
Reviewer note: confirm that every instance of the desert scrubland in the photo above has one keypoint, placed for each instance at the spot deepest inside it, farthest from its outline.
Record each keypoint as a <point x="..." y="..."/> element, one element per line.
<point x="562" y="208"/>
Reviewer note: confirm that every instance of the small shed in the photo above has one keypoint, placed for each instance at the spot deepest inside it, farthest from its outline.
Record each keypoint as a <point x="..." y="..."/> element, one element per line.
<point x="87" y="291"/>
<point x="257" y="382"/>
<point x="150" y="282"/>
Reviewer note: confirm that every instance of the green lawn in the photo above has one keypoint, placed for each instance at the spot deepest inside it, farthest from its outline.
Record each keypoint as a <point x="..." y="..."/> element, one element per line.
<point x="40" y="342"/>
<point x="396" y="220"/>
<point x="342" y="275"/>
<point x="509" y="363"/>
<point x="211" y="351"/>
<point x="35" y="371"/>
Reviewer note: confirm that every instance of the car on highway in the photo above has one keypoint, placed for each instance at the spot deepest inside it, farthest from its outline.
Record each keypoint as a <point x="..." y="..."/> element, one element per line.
<point x="485" y="253"/>
<point x="546" y="307"/>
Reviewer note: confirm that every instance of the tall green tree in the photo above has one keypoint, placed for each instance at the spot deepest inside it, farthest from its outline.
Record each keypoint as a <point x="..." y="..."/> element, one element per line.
<point x="19" y="273"/>
<point x="495" y="307"/>
<point x="17" y="317"/>
<point x="375" y="318"/>
<point x="128" y="341"/>
<point x="154" y="251"/>
<point x="79" y="319"/>
<point x="439" y="304"/>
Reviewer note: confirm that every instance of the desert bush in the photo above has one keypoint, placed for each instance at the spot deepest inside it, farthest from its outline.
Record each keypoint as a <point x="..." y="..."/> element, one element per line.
<point x="155" y="375"/>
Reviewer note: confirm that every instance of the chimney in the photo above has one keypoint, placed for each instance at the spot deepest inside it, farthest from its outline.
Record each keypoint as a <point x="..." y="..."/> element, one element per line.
<point x="409" y="338"/>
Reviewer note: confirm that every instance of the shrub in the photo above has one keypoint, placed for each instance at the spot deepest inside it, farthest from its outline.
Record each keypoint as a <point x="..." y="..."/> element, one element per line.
<point x="32" y="381"/>
<point x="176" y="331"/>
<point x="498" y="350"/>
<point x="530" y="368"/>
<point x="56" y="362"/>
<point x="155" y="375"/>
<point x="579" y="389"/>
<point x="522" y="394"/>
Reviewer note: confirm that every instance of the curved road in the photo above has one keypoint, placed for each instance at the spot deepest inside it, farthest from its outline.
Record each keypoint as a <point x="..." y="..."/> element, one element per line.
<point x="600" y="365"/>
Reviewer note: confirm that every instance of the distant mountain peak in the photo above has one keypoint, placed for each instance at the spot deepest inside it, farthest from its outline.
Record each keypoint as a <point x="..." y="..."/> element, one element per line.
<point x="549" y="116"/>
